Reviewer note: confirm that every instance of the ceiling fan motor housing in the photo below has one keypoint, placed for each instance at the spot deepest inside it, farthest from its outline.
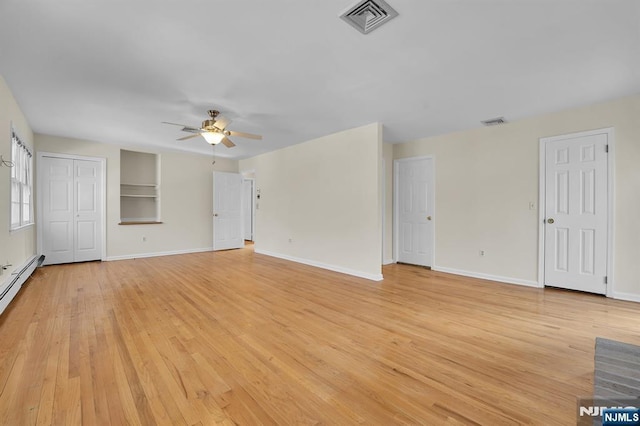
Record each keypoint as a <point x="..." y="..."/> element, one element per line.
<point x="209" y="124"/>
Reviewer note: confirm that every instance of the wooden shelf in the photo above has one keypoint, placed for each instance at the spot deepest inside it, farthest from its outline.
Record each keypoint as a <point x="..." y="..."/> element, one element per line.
<point x="138" y="196"/>
<point x="152" y="185"/>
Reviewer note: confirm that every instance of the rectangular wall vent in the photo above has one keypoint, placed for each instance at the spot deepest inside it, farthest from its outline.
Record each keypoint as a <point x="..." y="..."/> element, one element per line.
<point x="368" y="15"/>
<point x="494" y="121"/>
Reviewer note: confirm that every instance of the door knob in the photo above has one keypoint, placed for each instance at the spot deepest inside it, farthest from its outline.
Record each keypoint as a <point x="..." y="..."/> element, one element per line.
<point x="428" y="217"/>
<point x="215" y="214"/>
<point x="550" y="220"/>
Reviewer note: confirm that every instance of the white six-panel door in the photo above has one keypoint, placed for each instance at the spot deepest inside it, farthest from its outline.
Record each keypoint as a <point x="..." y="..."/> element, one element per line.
<point x="71" y="203"/>
<point x="576" y="212"/>
<point x="227" y="211"/>
<point x="415" y="211"/>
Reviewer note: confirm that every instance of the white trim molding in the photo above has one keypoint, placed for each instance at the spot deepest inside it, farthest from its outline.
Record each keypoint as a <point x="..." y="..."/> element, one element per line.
<point x="506" y="280"/>
<point x="342" y="270"/>
<point x="630" y="297"/>
<point x="158" y="254"/>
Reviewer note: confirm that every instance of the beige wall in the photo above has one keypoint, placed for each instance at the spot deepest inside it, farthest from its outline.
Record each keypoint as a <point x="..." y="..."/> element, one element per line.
<point x="324" y="195"/>
<point x="485" y="179"/>
<point x="18" y="246"/>
<point x="186" y="198"/>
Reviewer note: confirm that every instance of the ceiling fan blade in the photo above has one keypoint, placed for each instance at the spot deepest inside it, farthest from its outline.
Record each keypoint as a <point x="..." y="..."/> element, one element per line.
<point x="185" y="128"/>
<point x="174" y="124"/>
<point x="188" y="137"/>
<point x="227" y="142"/>
<point x="244" y="135"/>
<point x="192" y="130"/>
<point x="221" y="122"/>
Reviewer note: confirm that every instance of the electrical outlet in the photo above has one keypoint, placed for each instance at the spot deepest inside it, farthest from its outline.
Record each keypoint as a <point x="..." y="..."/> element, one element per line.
<point x="144" y="239"/>
<point x="290" y="239"/>
<point x="532" y="205"/>
<point x="481" y="252"/>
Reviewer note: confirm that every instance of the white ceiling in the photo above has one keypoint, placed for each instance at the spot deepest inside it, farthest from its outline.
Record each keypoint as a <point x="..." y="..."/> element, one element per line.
<point x="112" y="70"/>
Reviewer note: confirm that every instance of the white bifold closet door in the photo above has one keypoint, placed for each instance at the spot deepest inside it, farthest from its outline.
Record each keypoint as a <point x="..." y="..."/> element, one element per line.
<point x="71" y="210"/>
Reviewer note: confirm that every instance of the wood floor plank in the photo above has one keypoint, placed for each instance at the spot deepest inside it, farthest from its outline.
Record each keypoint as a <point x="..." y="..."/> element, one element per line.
<point x="240" y="338"/>
<point x="46" y="403"/>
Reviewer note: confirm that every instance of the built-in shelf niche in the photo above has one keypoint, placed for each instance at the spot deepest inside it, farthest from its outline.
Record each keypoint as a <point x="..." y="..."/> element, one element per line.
<point x="139" y="188"/>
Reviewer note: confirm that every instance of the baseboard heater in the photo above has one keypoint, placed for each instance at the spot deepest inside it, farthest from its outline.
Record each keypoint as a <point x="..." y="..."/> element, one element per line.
<point x="16" y="279"/>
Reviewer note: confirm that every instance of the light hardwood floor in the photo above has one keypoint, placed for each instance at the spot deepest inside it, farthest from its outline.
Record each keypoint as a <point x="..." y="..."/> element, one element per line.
<point x="237" y="338"/>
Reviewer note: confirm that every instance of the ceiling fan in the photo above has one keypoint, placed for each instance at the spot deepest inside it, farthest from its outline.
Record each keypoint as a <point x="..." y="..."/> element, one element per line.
<point x="214" y="130"/>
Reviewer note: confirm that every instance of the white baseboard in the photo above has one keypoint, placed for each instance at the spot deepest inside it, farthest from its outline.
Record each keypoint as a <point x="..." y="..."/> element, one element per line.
<point x="342" y="270"/>
<point x="507" y="280"/>
<point x="388" y="261"/>
<point x="626" y="296"/>
<point x="157" y="254"/>
<point x="15" y="279"/>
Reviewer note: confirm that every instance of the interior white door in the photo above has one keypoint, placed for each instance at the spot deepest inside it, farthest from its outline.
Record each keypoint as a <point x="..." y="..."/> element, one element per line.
<point x="247" y="207"/>
<point x="415" y="208"/>
<point x="576" y="216"/>
<point x="71" y="210"/>
<point x="88" y="210"/>
<point x="227" y="211"/>
<point x="57" y="209"/>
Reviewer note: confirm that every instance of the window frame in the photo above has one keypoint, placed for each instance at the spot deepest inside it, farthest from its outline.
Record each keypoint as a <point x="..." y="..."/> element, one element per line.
<point x="20" y="184"/>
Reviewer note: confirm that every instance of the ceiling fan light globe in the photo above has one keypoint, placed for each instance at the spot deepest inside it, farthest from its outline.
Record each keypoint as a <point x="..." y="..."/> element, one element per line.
<point x="213" y="138"/>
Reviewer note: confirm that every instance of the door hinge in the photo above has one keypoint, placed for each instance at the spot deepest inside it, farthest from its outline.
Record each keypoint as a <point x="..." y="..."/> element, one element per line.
<point x="605" y="280"/>
<point x="606" y="148"/>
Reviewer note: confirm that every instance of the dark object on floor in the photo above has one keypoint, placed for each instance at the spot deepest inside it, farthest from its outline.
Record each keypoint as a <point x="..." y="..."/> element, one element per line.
<point x="617" y="370"/>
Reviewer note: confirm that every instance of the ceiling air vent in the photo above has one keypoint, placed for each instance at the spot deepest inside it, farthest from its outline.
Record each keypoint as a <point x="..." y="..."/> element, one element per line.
<point x="368" y="15"/>
<point x="494" y="121"/>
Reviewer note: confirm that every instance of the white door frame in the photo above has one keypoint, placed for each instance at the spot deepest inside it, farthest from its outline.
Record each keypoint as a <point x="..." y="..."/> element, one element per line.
<point x="383" y="197"/>
<point x="396" y="206"/>
<point x="255" y="198"/>
<point x="609" y="131"/>
<point x="103" y="168"/>
<point x="253" y="208"/>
